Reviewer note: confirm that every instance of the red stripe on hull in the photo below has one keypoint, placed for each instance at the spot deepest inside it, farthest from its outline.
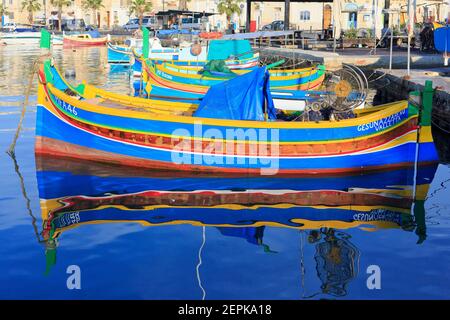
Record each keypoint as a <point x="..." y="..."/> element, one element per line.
<point x="51" y="147"/>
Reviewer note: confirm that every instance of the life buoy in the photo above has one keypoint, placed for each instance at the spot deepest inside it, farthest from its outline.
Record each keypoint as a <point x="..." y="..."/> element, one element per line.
<point x="196" y="49"/>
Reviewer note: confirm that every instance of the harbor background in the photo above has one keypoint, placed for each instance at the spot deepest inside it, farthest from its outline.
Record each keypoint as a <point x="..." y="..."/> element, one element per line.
<point x="307" y="15"/>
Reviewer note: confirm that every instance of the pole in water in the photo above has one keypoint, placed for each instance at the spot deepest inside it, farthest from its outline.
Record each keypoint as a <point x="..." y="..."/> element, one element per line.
<point x="392" y="42"/>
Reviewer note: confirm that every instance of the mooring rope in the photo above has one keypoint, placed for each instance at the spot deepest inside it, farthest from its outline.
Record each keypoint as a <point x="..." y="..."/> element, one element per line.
<point x="34" y="69"/>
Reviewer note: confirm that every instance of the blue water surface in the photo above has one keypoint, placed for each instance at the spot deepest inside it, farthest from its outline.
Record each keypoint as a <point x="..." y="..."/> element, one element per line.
<point x="198" y="258"/>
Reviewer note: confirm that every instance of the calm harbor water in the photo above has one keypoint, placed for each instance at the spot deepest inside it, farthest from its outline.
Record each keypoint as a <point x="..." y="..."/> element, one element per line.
<point x="131" y="242"/>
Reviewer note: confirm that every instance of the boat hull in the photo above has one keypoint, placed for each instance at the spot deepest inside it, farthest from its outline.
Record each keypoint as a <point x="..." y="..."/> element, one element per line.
<point x="73" y="41"/>
<point x="59" y="135"/>
<point x="119" y="54"/>
<point x="188" y="81"/>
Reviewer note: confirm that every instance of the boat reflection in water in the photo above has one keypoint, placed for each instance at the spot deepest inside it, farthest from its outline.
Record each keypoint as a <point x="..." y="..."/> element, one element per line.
<point x="73" y="194"/>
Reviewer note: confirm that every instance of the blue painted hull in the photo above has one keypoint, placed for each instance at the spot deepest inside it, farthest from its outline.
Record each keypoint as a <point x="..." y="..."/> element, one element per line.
<point x="49" y="126"/>
<point x="118" y="54"/>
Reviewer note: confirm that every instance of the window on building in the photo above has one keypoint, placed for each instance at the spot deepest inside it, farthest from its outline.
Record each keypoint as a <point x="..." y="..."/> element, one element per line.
<point x="305" y="15"/>
<point x="366" y="17"/>
<point x="277" y="11"/>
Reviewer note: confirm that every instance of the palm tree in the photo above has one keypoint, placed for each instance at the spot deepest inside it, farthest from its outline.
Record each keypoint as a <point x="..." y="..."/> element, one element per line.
<point x="229" y="7"/>
<point x="182" y="4"/>
<point x="60" y="4"/>
<point x="139" y="7"/>
<point x="93" y="5"/>
<point x="31" y="6"/>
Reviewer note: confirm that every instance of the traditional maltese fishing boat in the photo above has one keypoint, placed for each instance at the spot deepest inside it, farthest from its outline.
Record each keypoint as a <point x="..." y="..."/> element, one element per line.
<point x="234" y="130"/>
<point x="173" y="83"/>
<point x="186" y="80"/>
<point x="232" y="63"/>
<point x="238" y="54"/>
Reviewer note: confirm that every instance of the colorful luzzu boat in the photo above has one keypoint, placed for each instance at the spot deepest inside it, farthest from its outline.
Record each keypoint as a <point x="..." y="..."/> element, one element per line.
<point x="167" y="82"/>
<point x="190" y="81"/>
<point x="88" y="123"/>
<point x="233" y="64"/>
<point x="238" y="54"/>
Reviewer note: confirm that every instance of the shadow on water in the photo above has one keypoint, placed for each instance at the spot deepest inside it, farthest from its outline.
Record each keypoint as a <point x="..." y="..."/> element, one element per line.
<point x="442" y="143"/>
<point x="74" y="194"/>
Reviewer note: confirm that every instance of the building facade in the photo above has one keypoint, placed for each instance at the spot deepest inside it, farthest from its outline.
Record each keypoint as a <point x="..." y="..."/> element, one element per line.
<point x="114" y="12"/>
<point x="346" y="14"/>
<point x="303" y="16"/>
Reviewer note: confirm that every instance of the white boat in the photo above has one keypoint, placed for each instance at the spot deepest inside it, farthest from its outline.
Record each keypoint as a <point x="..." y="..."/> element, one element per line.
<point x="26" y="37"/>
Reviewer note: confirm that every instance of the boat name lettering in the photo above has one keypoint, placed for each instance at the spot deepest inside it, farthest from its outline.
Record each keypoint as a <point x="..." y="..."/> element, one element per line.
<point x="163" y="74"/>
<point x="67" y="219"/>
<point x="66" y="106"/>
<point x="385" y="122"/>
<point x="378" y="215"/>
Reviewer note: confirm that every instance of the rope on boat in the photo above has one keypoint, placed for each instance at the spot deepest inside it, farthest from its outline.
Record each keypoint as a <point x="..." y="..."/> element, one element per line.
<point x="34" y="69"/>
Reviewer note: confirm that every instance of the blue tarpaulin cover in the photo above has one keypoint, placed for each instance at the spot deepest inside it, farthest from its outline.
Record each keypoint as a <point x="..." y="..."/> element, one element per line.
<point x="94" y="33"/>
<point x="442" y="39"/>
<point x="241" y="98"/>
